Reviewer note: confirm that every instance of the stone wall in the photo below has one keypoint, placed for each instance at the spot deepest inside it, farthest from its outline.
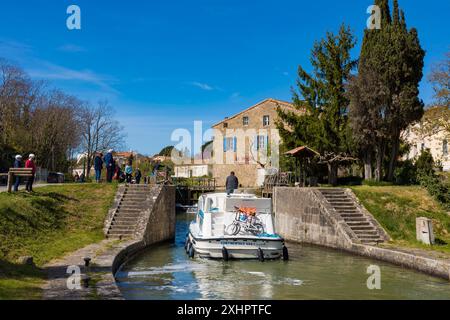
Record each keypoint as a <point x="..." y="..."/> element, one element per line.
<point x="156" y="225"/>
<point x="161" y="223"/>
<point x="300" y="215"/>
<point x="246" y="173"/>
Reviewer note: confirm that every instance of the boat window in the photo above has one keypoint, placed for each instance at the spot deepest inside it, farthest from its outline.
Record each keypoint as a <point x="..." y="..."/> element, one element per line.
<point x="209" y="204"/>
<point x="200" y="203"/>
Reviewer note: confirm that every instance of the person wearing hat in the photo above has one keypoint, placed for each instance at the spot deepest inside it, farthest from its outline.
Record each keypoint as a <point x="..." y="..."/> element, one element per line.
<point x="17" y="165"/>
<point x="109" y="163"/>
<point x="30" y="165"/>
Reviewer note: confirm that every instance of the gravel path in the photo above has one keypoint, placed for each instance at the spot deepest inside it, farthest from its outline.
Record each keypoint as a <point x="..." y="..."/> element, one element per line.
<point x="102" y="284"/>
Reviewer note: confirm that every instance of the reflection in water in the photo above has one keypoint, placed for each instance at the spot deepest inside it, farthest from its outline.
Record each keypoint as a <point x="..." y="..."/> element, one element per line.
<point x="164" y="272"/>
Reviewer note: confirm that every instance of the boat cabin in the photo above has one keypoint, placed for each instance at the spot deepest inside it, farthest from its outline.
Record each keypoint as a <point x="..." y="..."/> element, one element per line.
<point x="235" y="216"/>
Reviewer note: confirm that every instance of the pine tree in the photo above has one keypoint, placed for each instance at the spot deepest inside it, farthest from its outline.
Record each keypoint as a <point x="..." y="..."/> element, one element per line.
<point x="322" y="93"/>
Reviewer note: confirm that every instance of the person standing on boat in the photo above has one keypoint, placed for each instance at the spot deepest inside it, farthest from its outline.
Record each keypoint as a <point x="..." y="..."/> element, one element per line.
<point x="232" y="183"/>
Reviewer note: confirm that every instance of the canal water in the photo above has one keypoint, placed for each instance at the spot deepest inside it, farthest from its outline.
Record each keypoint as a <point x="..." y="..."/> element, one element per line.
<point x="164" y="272"/>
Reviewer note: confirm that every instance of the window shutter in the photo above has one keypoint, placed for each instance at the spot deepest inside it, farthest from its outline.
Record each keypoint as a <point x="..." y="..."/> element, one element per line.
<point x="224" y="144"/>
<point x="256" y="144"/>
<point x="235" y="144"/>
<point x="267" y="142"/>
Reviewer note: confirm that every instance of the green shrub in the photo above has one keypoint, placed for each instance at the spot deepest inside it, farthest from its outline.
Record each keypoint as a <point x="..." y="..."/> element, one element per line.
<point x="406" y="173"/>
<point x="425" y="163"/>
<point x="436" y="188"/>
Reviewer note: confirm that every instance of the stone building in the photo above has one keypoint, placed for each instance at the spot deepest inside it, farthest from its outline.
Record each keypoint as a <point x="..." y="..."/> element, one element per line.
<point x="437" y="141"/>
<point x="248" y="144"/>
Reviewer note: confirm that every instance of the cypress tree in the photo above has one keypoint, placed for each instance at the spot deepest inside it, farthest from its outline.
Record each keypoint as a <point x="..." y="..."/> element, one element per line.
<point x="390" y="68"/>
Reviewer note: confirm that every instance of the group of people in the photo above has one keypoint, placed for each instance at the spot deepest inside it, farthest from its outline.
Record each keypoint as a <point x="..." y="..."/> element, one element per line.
<point x="29" y="164"/>
<point x="113" y="171"/>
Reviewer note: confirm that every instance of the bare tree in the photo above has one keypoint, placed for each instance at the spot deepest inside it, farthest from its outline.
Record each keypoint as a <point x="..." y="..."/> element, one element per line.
<point x="440" y="79"/>
<point x="99" y="131"/>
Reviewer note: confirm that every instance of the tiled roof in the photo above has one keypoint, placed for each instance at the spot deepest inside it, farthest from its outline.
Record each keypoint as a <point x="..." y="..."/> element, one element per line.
<point x="279" y="102"/>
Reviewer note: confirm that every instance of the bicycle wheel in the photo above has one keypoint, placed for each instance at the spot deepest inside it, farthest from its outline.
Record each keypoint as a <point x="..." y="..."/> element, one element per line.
<point x="233" y="229"/>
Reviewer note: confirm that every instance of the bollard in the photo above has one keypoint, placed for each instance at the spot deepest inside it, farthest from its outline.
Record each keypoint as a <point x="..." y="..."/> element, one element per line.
<point x="87" y="261"/>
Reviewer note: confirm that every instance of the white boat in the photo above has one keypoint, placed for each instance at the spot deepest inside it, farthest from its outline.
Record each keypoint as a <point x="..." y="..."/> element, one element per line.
<point x="239" y="226"/>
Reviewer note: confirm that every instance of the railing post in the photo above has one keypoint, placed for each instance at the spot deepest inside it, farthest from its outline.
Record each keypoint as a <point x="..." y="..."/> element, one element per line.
<point x="10" y="179"/>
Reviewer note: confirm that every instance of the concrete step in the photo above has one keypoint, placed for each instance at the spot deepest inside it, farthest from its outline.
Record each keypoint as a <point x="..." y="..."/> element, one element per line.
<point x="341" y="212"/>
<point x="355" y="219"/>
<point x="124" y="223"/>
<point x="128" y="233"/>
<point x="352" y="215"/>
<point x="340" y="201"/>
<point x="140" y="202"/>
<point x="358" y="224"/>
<point x="122" y="227"/>
<point x="369" y="242"/>
<point x="344" y="207"/>
<point x="127" y="215"/>
<point x="334" y="193"/>
<point x="137" y="193"/>
<point x="132" y="206"/>
<point x="368" y="237"/>
<point x="363" y="228"/>
<point x="130" y="210"/>
<point x="117" y="236"/>
<point x="366" y="233"/>
<point x="134" y="197"/>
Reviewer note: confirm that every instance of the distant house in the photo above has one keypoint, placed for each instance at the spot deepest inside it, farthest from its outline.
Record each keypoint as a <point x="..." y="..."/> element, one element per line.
<point x="436" y="140"/>
<point x="160" y="158"/>
<point x="192" y="171"/>
<point x="123" y="157"/>
<point x="247" y="143"/>
<point x="199" y="166"/>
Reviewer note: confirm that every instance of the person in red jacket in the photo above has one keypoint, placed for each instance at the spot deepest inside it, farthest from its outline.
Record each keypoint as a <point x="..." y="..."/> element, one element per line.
<point x="30" y="164"/>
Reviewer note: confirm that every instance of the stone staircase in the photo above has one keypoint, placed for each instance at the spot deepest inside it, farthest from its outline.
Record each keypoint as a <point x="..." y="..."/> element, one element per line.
<point x="131" y="206"/>
<point x="359" y="222"/>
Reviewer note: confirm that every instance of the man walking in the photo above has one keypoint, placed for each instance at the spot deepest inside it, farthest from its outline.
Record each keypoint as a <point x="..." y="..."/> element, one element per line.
<point x="109" y="163"/>
<point x="232" y="183"/>
<point x="98" y="166"/>
<point x="17" y="165"/>
<point x="30" y="165"/>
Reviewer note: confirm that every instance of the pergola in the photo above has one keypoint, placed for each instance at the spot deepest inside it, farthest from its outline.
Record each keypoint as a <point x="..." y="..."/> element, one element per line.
<point x="303" y="156"/>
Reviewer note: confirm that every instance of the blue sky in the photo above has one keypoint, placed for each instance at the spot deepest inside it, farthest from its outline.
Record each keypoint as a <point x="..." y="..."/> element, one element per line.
<point x="164" y="64"/>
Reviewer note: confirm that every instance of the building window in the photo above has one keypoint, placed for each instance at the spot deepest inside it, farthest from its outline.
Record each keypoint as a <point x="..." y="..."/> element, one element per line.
<point x="225" y="124"/>
<point x="261" y="142"/>
<point x="266" y="121"/>
<point x="230" y="144"/>
<point x="245" y="121"/>
<point x="445" y="148"/>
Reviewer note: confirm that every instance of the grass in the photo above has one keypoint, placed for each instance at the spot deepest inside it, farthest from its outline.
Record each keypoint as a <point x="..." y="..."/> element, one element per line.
<point x="397" y="207"/>
<point x="48" y="224"/>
